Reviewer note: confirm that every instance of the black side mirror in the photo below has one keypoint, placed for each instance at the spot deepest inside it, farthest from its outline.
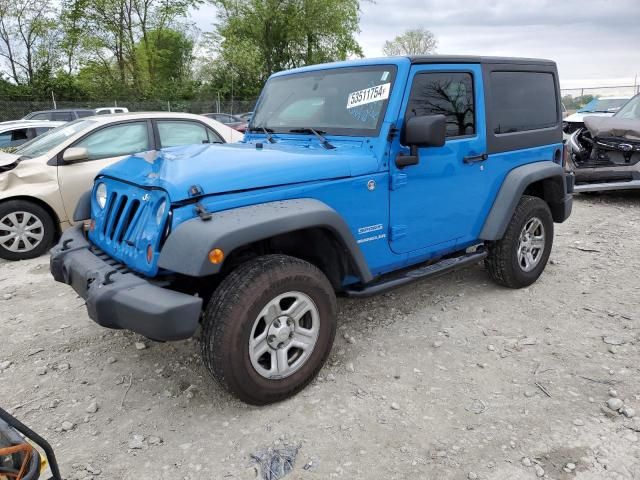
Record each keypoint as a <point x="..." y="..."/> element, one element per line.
<point x="422" y="131"/>
<point x="426" y="131"/>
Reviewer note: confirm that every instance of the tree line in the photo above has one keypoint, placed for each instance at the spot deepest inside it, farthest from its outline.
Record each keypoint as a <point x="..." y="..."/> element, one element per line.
<point x="88" y="50"/>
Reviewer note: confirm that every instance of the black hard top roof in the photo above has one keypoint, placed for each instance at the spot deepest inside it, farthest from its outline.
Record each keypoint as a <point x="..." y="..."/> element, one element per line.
<point x="421" y="59"/>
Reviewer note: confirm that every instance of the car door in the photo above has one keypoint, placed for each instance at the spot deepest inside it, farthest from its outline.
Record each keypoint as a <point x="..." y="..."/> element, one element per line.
<point x="105" y="146"/>
<point x="435" y="204"/>
<point x="173" y="133"/>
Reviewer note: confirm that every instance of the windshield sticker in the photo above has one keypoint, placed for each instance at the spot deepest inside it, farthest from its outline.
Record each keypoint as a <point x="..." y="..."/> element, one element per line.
<point x="385" y="75"/>
<point x="369" y="95"/>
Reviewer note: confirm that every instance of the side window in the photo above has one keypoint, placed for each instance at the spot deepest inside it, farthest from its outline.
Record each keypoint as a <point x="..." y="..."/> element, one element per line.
<point x="41" y="130"/>
<point x="62" y="116"/>
<point x="116" y="141"/>
<point x="523" y="101"/>
<point x="102" y="112"/>
<point x="445" y="93"/>
<point x="39" y="116"/>
<point x="18" y="137"/>
<point x="174" y="133"/>
<point x="5" y="139"/>
<point x="85" y="113"/>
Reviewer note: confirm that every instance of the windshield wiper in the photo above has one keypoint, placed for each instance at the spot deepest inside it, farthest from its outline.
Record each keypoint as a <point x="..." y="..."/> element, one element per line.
<point x="318" y="133"/>
<point x="266" y="131"/>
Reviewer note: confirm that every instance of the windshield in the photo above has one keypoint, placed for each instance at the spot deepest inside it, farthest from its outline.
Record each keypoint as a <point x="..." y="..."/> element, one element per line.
<point x="631" y="110"/>
<point x="603" y="105"/>
<point x="45" y="142"/>
<point x="340" y="101"/>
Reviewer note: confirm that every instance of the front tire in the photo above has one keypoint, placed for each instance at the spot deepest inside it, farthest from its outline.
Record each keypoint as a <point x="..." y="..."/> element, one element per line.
<point x="268" y="328"/>
<point x="518" y="259"/>
<point x="26" y="230"/>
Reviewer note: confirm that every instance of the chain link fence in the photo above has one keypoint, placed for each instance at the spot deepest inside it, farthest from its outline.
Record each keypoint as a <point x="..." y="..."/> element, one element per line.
<point x="11" y="109"/>
<point x="575" y="98"/>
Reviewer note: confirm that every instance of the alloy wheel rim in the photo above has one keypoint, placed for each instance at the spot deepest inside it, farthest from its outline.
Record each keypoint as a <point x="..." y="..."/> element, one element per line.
<point x="284" y="335"/>
<point x="531" y="244"/>
<point x="21" y="231"/>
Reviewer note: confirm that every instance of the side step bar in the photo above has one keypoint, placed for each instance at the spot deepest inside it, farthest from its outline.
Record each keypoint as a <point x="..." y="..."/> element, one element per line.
<point x="435" y="269"/>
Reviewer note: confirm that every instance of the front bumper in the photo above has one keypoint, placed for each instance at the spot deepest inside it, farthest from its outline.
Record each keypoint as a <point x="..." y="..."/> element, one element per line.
<point x="117" y="298"/>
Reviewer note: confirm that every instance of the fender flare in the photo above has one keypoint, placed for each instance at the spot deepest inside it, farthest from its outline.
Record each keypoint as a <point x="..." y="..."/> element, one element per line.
<point x="187" y="247"/>
<point x="512" y="189"/>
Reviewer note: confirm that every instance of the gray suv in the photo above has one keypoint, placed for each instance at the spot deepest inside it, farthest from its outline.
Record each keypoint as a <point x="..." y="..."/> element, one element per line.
<point x="60" y="115"/>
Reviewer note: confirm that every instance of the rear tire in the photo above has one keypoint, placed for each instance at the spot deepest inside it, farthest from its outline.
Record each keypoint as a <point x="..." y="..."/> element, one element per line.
<point x="518" y="259"/>
<point x="268" y="328"/>
<point x="26" y="230"/>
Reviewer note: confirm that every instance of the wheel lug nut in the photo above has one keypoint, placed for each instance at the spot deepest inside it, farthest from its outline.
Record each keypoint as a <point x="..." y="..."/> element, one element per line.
<point x="276" y="324"/>
<point x="291" y="335"/>
<point x="280" y="345"/>
<point x="271" y="338"/>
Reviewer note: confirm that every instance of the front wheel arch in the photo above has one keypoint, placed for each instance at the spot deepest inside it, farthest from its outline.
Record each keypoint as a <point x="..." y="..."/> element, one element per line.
<point x="41" y="203"/>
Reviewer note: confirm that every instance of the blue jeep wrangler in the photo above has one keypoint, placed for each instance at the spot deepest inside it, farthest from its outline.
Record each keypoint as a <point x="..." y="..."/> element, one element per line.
<point x="353" y="178"/>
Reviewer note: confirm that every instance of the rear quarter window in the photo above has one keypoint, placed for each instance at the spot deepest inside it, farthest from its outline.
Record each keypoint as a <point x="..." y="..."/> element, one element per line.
<point x="523" y="101"/>
<point x="62" y="116"/>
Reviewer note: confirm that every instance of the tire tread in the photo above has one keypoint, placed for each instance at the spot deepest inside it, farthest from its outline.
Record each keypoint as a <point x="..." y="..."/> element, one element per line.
<point x="498" y="262"/>
<point x="217" y="316"/>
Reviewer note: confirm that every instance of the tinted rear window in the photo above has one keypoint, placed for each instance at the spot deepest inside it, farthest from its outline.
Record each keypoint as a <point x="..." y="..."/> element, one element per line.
<point x="62" y="116"/>
<point x="523" y="101"/>
<point x="38" y="116"/>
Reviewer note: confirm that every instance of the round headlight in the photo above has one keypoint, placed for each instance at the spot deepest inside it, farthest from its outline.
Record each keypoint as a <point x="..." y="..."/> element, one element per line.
<point x="101" y="195"/>
<point x="160" y="213"/>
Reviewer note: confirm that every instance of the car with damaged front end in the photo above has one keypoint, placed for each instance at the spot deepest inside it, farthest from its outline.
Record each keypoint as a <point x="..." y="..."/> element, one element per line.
<point x="604" y="155"/>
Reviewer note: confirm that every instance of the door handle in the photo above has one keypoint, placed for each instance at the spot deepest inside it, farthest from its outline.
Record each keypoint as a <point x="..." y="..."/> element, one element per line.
<point x="475" y="158"/>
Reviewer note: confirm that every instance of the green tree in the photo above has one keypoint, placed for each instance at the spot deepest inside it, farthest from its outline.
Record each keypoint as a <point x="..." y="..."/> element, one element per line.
<point x="259" y="37"/>
<point x="122" y="36"/>
<point x="169" y="73"/>
<point x="28" y="38"/>
<point x="418" y="41"/>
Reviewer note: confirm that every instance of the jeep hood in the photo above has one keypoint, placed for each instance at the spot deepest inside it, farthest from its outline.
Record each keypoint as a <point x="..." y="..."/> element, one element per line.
<point x="216" y="169"/>
<point x="613" y="127"/>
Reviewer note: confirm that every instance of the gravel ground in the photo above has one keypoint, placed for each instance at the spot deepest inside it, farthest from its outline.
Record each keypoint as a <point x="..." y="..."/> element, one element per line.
<point x="452" y="378"/>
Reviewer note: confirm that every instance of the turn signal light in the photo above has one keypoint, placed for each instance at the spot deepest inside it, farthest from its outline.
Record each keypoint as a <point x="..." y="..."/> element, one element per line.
<point x="216" y="256"/>
<point x="149" y="254"/>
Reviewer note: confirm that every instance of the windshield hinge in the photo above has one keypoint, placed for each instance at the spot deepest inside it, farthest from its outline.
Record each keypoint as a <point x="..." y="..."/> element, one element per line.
<point x="393" y="131"/>
<point x="398" y="180"/>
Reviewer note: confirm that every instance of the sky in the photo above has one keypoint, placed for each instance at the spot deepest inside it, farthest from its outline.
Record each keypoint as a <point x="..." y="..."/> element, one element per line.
<point x="593" y="42"/>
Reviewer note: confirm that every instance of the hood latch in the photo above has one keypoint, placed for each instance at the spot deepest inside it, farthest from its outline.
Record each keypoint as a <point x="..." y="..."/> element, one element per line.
<point x="202" y="212"/>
